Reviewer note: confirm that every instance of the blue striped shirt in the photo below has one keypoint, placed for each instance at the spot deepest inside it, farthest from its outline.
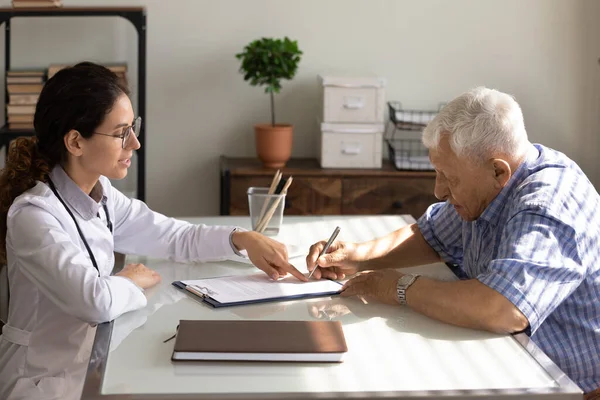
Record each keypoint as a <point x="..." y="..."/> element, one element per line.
<point x="537" y="243"/>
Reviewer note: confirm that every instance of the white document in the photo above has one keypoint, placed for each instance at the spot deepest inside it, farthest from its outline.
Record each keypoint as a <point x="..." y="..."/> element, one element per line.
<point x="237" y="288"/>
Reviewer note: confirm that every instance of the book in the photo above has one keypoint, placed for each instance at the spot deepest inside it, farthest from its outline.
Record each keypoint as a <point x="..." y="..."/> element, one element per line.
<point x="24" y="98"/>
<point x="20" y="109"/>
<point x="20" y="118"/>
<point x="24" y="79"/>
<point x="13" y="88"/>
<point x="235" y="290"/>
<point x="25" y="72"/>
<point x="36" y="3"/>
<point x="20" y="125"/>
<point x="304" y="341"/>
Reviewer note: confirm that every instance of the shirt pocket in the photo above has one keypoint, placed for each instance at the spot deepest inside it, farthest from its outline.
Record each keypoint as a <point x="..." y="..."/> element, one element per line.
<point x="83" y="354"/>
<point x="45" y="388"/>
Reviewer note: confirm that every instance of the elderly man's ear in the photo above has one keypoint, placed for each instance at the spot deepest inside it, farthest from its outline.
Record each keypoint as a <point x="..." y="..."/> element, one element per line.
<point x="502" y="172"/>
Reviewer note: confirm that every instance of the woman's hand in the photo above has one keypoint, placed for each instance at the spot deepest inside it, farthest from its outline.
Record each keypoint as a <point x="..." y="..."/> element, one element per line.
<point x="141" y="275"/>
<point x="266" y="254"/>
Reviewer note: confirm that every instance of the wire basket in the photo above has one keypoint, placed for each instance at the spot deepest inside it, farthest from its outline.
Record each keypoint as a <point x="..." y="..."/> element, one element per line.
<point x="403" y="137"/>
<point x="410" y="120"/>
<point x="409" y="154"/>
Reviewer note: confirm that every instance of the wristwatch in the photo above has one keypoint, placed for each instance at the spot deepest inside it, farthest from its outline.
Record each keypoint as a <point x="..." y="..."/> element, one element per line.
<point x="403" y="284"/>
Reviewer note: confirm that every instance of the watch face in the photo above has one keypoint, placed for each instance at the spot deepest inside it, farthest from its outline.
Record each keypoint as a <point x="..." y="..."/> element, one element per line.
<point x="405" y="279"/>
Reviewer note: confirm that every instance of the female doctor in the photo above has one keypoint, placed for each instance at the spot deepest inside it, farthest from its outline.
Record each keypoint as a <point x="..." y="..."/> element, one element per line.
<point x="61" y="220"/>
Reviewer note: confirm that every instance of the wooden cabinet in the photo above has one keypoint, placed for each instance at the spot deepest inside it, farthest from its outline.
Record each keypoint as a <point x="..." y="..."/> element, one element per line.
<point x="387" y="195"/>
<point x="318" y="191"/>
<point x="306" y="196"/>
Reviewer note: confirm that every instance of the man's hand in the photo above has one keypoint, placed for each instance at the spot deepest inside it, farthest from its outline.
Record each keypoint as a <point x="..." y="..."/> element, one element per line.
<point x="341" y="260"/>
<point x="141" y="275"/>
<point x="266" y="254"/>
<point x="380" y="285"/>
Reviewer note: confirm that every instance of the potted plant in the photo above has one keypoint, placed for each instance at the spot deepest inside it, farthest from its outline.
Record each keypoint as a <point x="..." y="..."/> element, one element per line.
<point x="265" y="62"/>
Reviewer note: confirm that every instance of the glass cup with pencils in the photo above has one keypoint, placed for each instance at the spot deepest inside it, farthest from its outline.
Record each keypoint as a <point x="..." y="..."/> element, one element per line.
<point x="266" y="205"/>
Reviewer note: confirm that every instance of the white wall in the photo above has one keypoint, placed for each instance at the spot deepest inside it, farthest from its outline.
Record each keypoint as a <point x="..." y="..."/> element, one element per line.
<point x="542" y="51"/>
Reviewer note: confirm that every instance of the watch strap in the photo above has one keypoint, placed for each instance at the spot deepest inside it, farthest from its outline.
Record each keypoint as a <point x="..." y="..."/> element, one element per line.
<point x="402" y="286"/>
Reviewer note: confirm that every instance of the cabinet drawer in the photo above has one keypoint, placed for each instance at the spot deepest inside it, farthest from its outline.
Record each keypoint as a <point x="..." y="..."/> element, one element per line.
<point x="306" y="195"/>
<point x="406" y="195"/>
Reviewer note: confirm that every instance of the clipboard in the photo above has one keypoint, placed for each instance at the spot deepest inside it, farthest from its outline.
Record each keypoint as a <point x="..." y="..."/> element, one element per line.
<point x="206" y="295"/>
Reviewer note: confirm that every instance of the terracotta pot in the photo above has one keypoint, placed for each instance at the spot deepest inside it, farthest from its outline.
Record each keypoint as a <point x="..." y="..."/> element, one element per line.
<point x="273" y="144"/>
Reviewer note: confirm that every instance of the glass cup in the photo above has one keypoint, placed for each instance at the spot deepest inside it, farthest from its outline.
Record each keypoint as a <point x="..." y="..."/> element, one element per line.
<point x="266" y="210"/>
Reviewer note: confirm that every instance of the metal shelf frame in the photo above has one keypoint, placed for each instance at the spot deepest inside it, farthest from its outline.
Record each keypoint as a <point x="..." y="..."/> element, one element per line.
<point x="135" y="15"/>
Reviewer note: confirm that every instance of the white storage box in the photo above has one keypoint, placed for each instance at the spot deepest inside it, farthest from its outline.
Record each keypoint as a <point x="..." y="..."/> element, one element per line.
<point x="351" y="145"/>
<point x="353" y="99"/>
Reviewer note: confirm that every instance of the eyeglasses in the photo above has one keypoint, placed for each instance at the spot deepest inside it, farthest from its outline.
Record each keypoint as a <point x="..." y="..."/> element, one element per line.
<point x="135" y="128"/>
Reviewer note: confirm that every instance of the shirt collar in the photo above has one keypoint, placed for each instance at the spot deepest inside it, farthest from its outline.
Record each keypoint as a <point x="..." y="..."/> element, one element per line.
<point x="493" y="211"/>
<point x="72" y="194"/>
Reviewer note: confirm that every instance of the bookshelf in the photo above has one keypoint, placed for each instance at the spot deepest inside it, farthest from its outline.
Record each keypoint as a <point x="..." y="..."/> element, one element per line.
<point x="135" y="15"/>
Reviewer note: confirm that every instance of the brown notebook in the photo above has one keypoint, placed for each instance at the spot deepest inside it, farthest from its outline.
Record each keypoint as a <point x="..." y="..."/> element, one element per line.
<point x="308" y="341"/>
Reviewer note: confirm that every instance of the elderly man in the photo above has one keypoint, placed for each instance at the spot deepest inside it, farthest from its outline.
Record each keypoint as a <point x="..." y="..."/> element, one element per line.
<point x="521" y="220"/>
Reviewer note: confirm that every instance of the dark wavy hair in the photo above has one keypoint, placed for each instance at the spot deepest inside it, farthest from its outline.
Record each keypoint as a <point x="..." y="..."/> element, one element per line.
<point x="75" y="98"/>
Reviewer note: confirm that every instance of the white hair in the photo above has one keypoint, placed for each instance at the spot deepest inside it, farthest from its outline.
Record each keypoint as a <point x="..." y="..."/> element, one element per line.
<point x="480" y="123"/>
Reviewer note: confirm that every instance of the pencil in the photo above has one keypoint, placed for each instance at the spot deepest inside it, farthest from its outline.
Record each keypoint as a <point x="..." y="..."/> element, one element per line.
<point x="271" y="211"/>
<point x="274" y="183"/>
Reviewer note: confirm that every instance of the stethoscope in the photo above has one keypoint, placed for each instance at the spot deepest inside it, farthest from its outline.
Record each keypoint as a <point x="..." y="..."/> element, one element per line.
<point x="87" y="246"/>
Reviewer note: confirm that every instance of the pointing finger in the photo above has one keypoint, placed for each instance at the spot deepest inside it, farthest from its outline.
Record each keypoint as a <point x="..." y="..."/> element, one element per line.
<point x="287" y="267"/>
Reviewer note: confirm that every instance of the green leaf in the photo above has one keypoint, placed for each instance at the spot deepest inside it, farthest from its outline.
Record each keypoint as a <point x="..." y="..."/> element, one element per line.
<point x="267" y="61"/>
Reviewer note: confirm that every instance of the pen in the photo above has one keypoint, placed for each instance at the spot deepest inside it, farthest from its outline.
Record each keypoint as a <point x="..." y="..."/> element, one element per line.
<point x="324" y="251"/>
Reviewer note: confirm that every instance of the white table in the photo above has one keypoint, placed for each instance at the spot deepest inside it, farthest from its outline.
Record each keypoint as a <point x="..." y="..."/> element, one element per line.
<point x="392" y="351"/>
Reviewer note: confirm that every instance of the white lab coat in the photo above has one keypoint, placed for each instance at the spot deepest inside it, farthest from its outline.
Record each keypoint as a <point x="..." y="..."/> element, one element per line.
<point x="56" y="295"/>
